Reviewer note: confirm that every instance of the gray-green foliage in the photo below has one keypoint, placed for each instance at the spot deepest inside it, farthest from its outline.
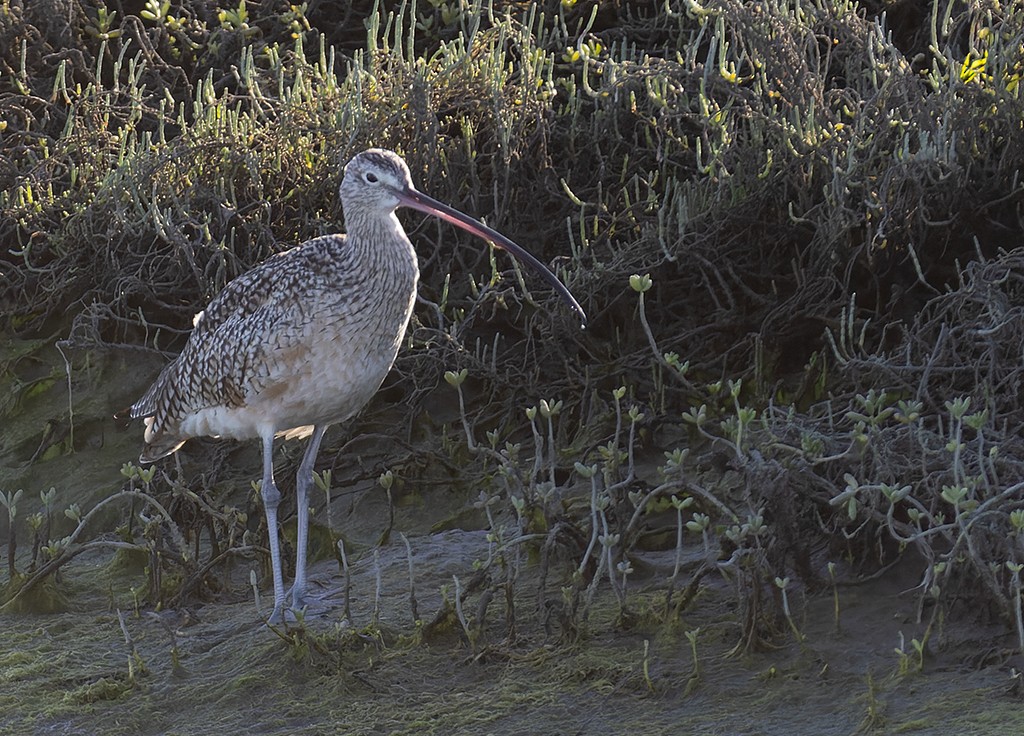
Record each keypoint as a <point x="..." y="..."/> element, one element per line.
<point x="822" y="200"/>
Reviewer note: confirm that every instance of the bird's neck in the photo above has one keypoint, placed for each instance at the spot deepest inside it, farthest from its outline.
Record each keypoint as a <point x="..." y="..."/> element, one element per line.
<point x="380" y="244"/>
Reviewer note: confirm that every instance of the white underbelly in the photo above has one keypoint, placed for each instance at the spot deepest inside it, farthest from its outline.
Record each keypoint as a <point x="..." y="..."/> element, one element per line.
<point x="319" y="381"/>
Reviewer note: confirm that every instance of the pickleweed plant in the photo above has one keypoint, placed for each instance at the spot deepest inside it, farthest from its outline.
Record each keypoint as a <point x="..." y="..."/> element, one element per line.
<point x="783" y="584"/>
<point x="839" y="376"/>
<point x="10" y="501"/>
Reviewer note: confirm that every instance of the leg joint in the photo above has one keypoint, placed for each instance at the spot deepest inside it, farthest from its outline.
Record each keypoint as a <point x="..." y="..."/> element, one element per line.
<point x="271" y="496"/>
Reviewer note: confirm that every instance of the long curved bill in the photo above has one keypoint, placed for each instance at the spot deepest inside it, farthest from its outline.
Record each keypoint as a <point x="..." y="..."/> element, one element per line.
<point x="419" y="201"/>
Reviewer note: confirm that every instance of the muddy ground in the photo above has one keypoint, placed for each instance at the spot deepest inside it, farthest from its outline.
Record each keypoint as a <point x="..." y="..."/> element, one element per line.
<point x="214" y="667"/>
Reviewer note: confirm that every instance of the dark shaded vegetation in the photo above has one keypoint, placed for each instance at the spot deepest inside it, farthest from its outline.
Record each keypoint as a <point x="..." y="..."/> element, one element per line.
<point x="825" y="196"/>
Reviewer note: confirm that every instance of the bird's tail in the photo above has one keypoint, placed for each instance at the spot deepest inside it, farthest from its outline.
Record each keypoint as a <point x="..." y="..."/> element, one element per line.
<point x="158" y="444"/>
<point x="152" y="453"/>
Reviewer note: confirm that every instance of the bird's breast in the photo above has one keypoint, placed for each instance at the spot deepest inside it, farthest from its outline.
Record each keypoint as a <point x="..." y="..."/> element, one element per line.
<point x="333" y="368"/>
<point x="310" y="355"/>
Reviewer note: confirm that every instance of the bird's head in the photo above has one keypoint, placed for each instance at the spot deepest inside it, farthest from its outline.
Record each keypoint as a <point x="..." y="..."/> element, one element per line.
<point x="377" y="182"/>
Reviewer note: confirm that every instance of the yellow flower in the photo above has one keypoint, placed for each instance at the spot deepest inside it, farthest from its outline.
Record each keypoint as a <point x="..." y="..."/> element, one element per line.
<point x="972" y="69"/>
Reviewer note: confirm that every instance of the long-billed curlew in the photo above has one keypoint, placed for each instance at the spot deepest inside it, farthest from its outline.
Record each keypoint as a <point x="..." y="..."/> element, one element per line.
<point x="305" y="339"/>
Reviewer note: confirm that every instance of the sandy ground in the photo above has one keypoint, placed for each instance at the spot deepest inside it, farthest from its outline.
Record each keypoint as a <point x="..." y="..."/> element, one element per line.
<point x="215" y="668"/>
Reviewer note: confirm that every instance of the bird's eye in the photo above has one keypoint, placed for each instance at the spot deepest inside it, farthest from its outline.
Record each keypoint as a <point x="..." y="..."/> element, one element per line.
<point x="370" y="178"/>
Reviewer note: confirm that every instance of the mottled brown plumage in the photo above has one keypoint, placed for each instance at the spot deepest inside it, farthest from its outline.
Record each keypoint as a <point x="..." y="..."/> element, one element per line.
<point x="336" y="294"/>
<point x="304" y="339"/>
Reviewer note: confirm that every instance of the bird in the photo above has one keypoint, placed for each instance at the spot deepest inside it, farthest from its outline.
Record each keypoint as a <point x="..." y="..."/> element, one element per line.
<point x="304" y="339"/>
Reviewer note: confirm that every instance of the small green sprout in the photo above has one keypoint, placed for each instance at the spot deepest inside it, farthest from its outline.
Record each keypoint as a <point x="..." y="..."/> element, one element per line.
<point x="681" y="504"/>
<point x="977" y="420"/>
<point x="954" y="495"/>
<point x="455" y="379"/>
<point x="585" y="471"/>
<point x="782" y="584"/>
<point x="234" y="20"/>
<point x="323" y="480"/>
<point x="696" y="416"/>
<point x="550" y="409"/>
<point x="694" y="679"/>
<point x="958" y="407"/>
<point x="155" y="10"/>
<point x="10" y="500"/>
<point x="74" y="512"/>
<point x="675" y="459"/>
<point x="673" y="360"/>
<point x="755" y="524"/>
<point x="908" y="411"/>
<point x="640" y="284"/>
<point x="647" y="666"/>
<point x="893" y="494"/>
<point x="699" y="523"/>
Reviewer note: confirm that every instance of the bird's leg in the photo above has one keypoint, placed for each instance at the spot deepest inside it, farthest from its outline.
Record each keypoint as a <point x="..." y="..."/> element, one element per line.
<point x="302" y="486"/>
<point x="271" y="500"/>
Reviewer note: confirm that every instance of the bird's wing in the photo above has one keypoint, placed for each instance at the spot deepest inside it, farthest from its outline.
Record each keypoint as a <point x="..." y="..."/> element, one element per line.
<point x="260" y="310"/>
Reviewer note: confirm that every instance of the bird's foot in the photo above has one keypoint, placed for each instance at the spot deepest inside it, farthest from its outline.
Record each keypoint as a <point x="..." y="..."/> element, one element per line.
<point x="297" y="596"/>
<point x="286" y="616"/>
<point x="302" y="605"/>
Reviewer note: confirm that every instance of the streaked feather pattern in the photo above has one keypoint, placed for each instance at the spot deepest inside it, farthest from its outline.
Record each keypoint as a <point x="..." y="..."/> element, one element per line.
<point x="312" y="324"/>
